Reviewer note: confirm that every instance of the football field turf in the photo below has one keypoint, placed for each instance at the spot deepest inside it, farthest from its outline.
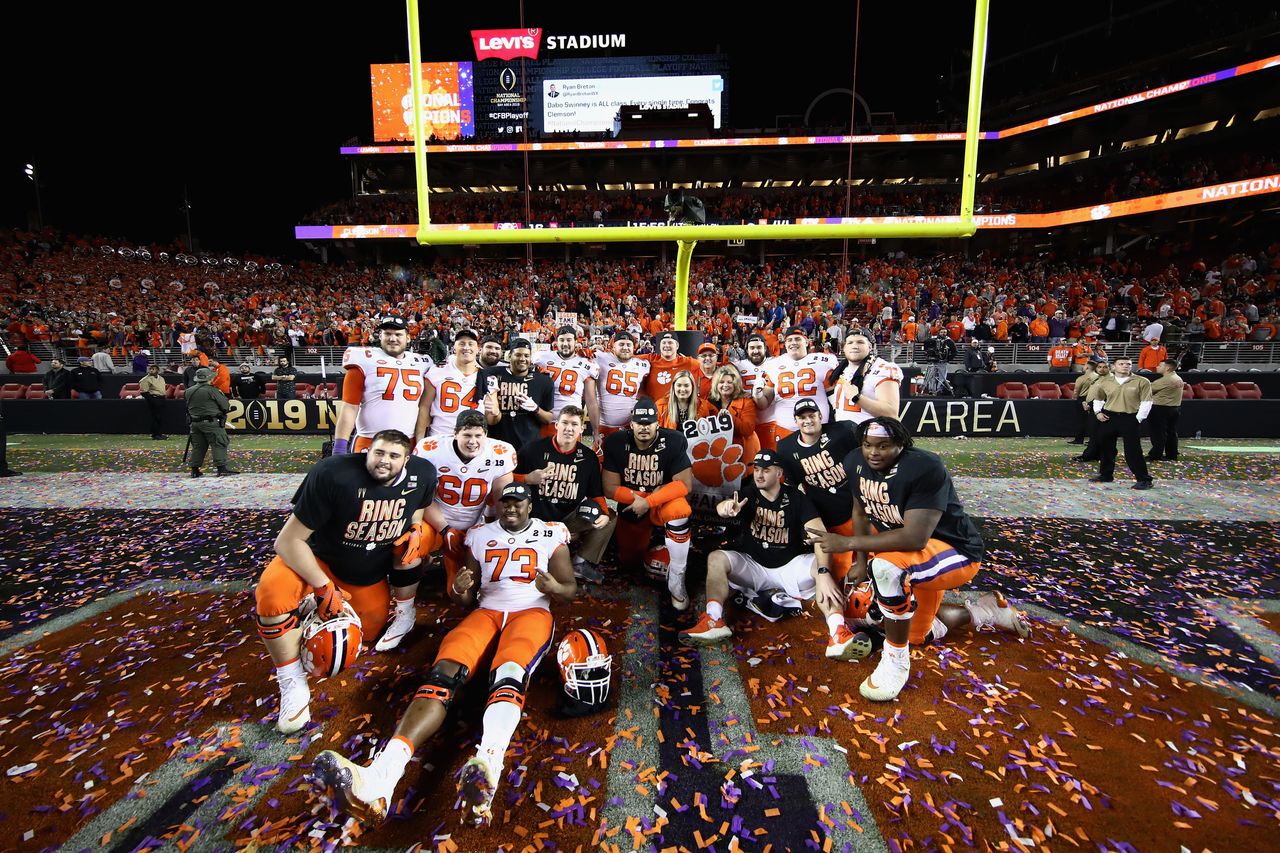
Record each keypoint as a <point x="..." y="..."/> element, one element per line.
<point x="136" y="709"/>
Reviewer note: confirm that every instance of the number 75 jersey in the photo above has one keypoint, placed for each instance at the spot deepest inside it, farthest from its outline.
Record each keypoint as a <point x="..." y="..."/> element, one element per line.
<point x="510" y="561"/>
<point x="392" y="388"/>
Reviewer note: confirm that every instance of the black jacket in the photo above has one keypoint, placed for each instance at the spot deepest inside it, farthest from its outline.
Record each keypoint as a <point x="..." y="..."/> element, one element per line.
<point x="57" y="384"/>
<point x="975" y="360"/>
<point x="86" y="380"/>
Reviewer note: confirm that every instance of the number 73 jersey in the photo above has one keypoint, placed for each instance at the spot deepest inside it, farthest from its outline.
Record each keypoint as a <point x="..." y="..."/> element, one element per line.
<point x="510" y="561"/>
<point x="392" y="388"/>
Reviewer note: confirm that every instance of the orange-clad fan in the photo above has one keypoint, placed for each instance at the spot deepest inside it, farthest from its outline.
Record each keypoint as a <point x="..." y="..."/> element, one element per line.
<point x="665" y="364"/>
<point x="728" y="395"/>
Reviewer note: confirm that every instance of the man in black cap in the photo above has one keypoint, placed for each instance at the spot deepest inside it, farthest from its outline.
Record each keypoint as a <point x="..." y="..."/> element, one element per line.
<point x="381" y="388"/>
<point x="491" y="352"/>
<point x="773" y="563"/>
<point x="646" y="470"/>
<point x="813" y="459"/>
<point x="207" y="407"/>
<point x="517" y="398"/>
<point x="248" y="385"/>
<point x="665" y="364"/>
<point x="86" y="380"/>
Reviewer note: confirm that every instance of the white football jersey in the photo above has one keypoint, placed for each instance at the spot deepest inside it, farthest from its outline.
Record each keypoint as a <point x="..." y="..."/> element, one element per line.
<point x="455" y="391"/>
<point x="392" y="388"/>
<point x="877" y="374"/>
<point x="510" y="561"/>
<point x="568" y="375"/>
<point x="750" y="376"/>
<point x="463" y="486"/>
<point x="794" y="379"/>
<point x="620" y="383"/>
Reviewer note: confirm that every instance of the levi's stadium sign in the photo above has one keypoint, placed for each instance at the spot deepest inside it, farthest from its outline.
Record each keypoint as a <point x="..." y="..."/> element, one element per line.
<point x="507" y="44"/>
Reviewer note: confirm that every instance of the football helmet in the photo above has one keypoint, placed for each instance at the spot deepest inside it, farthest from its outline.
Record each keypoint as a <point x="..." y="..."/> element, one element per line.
<point x="586" y="669"/>
<point x="860" y="607"/>
<point x="330" y="646"/>
<point x="656" y="563"/>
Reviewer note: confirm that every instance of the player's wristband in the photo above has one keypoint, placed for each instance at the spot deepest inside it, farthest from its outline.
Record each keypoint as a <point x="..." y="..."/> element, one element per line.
<point x="341" y="446"/>
<point x="670" y="492"/>
<point x="823" y="570"/>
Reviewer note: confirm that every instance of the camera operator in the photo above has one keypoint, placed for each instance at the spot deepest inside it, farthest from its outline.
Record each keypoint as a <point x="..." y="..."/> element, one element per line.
<point x="976" y="360"/>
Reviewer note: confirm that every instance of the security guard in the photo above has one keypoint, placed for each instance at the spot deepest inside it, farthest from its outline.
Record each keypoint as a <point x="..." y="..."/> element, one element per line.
<point x="1120" y="402"/>
<point x="207" y="408"/>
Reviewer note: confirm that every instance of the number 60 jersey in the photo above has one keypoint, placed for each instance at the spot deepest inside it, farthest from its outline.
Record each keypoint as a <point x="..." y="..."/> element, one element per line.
<point x="463" y="487"/>
<point x="510" y="561"/>
<point x="391" y="388"/>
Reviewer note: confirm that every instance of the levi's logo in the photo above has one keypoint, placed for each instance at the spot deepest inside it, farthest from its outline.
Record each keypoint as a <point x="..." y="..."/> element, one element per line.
<point x="506" y="44"/>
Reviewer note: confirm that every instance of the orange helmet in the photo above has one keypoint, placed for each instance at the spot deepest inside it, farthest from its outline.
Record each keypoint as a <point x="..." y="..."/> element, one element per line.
<point x="860" y="608"/>
<point x="656" y="563"/>
<point x="330" y="646"/>
<point x="586" y="667"/>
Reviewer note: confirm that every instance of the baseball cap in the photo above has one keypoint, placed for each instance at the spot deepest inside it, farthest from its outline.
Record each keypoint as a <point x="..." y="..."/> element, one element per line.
<point x="465" y="333"/>
<point x="662" y="336"/>
<point x="566" y="330"/>
<point x="520" y="343"/>
<point x="755" y="336"/>
<point x="795" y="330"/>
<point x="644" y="412"/>
<point x="470" y="418"/>
<point x="806" y="405"/>
<point x="516" y="492"/>
<point x="391" y="321"/>
<point x="765" y="457"/>
<point x="708" y="347"/>
<point x="623" y="335"/>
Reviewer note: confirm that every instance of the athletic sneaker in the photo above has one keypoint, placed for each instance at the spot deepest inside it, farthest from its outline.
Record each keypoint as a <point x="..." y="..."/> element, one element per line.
<point x="353" y="789"/>
<point x="476" y="787"/>
<point x="991" y="610"/>
<point x="586" y="571"/>
<point x="846" y="645"/>
<point x="887" y="681"/>
<point x="707" y="632"/>
<point x="295" y="702"/>
<point x="675" y="586"/>
<point x="774" y="605"/>
<point x="402" y="623"/>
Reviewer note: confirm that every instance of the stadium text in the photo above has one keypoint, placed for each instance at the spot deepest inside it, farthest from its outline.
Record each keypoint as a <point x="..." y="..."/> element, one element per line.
<point x="956" y="417"/>
<point x="587" y="42"/>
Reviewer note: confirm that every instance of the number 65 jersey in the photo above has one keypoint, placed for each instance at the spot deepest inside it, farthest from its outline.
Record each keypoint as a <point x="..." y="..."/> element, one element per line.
<point x="510" y="561"/>
<point x="389" y="389"/>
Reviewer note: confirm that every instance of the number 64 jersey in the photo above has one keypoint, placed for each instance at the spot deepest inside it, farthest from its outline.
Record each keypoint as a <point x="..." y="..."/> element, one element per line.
<point x="510" y="561"/>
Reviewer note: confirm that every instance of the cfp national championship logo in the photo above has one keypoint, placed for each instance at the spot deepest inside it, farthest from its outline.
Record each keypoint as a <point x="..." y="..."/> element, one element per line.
<point x="282" y="416"/>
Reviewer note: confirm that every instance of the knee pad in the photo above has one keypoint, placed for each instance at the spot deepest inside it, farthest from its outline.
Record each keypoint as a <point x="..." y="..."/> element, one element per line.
<point x="506" y="684"/>
<point x="279" y="629"/>
<point x="405" y="577"/>
<point x="441" y="687"/>
<point x="679" y="531"/>
<point x="892" y="590"/>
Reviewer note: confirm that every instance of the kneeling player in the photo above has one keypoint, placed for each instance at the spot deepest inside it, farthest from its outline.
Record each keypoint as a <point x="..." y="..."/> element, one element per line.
<point x="773" y="554"/>
<point x="923" y="542"/>
<point x="338" y="544"/>
<point x="519" y="564"/>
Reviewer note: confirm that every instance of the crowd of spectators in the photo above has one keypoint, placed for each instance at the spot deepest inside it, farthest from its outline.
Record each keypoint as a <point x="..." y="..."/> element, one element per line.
<point x="1071" y="186"/>
<point x="83" y="297"/>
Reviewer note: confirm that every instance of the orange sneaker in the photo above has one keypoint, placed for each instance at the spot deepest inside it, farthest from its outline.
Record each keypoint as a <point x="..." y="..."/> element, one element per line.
<point x="707" y="632"/>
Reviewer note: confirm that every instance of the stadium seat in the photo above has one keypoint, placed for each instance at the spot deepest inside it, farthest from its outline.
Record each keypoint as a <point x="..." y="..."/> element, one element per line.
<point x="1069" y="391"/>
<point x="130" y="390"/>
<point x="271" y="391"/>
<point x="13" y="391"/>
<point x="168" y="390"/>
<point x="1046" y="391"/>
<point x="36" y="392"/>
<point x="1013" y="391"/>
<point x="1210" y="391"/>
<point x="303" y="390"/>
<point x="1187" y="392"/>
<point x="1240" y="391"/>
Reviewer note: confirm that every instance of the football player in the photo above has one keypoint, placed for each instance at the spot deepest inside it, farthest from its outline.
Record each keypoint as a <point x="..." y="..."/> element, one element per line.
<point x="622" y="375"/>
<point x="924" y="544"/>
<point x="752" y="370"/>
<point x="471" y="469"/>
<point x="572" y="375"/>
<point x="449" y="388"/>
<point x="646" y="470"/>
<point x="869" y="386"/>
<point x="381" y="387"/>
<point x="514" y="566"/>
<point x="665" y="364"/>
<point x="773" y="556"/>
<point x="517" y="398"/>
<point x="795" y="375"/>
<point x="339" y="543"/>
<point x="491" y="352"/>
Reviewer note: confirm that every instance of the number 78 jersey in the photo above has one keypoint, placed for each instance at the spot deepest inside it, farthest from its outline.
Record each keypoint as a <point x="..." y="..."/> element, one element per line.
<point x="568" y="375"/>
<point x="392" y="388"/>
<point x="796" y="379"/>
<point x="510" y="561"/>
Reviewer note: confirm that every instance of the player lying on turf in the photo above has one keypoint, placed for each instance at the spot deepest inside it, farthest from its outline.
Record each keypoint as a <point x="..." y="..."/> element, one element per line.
<point x="515" y="566"/>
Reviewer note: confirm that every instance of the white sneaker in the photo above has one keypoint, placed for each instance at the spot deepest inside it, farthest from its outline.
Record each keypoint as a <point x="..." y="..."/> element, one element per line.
<point x="476" y="788"/>
<point x="675" y="585"/>
<point x="846" y="645"/>
<point x="295" y="703"/>
<point x="402" y="623"/>
<point x="991" y="610"/>
<point x="886" y="682"/>
<point x="351" y="788"/>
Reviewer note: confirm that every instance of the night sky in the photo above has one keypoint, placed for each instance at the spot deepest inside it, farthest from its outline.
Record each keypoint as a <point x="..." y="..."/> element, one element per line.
<point x="249" y="111"/>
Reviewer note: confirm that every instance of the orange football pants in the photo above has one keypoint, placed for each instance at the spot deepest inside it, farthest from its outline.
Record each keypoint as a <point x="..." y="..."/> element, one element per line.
<point x="280" y="589"/>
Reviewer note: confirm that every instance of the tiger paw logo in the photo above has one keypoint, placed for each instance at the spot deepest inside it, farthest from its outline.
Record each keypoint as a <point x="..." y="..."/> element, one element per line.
<point x="717" y="463"/>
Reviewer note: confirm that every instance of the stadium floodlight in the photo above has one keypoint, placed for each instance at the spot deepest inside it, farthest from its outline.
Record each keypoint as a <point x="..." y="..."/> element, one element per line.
<point x="686" y="235"/>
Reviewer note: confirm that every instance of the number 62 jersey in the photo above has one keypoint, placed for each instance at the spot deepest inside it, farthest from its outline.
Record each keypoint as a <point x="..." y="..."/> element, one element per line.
<point x="510" y="561"/>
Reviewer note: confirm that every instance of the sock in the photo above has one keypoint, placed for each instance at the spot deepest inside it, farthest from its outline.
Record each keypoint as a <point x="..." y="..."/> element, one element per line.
<point x="677" y="542"/>
<point x="715" y="609"/>
<point x="403" y="604"/>
<point x="499" y="725"/>
<point x="292" y="669"/>
<point x="834" y="621"/>
<point x="390" y="762"/>
<point x="900" y="655"/>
